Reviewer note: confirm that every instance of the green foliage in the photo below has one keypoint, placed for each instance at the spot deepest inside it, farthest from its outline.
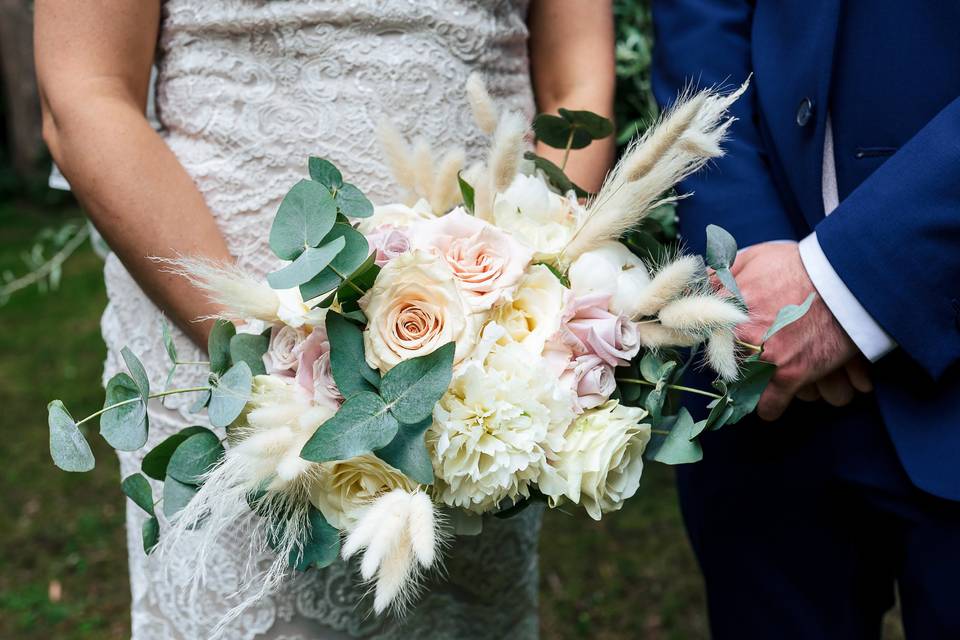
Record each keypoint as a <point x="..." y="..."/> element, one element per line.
<point x="571" y="129"/>
<point x="193" y="457"/>
<point x="788" y="315"/>
<point x="150" y="532"/>
<point x="230" y="395"/>
<point x="218" y="345"/>
<point x="347" y="362"/>
<point x="321" y="549"/>
<point x="124" y="426"/>
<point x="408" y="452"/>
<point x="352" y="289"/>
<point x="721" y="253"/>
<point x="249" y="348"/>
<point x="555" y="174"/>
<point x="468" y="192"/>
<point x="307" y="265"/>
<point x="306" y="215"/>
<point x="414" y="386"/>
<point x="635" y="106"/>
<point x="352" y="203"/>
<point x="176" y="495"/>
<point x="362" y="424"/>
<point x="155" y="462"/>
<point x="68" y="447"/>
<point x="324" y="172"/>
<point x="351" y="257"/>
<point x="136" y="487"/>
<point x="679" y="445"/>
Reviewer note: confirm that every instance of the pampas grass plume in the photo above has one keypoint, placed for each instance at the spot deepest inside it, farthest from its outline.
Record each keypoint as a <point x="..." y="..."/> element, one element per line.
<point x="241" y="295"/>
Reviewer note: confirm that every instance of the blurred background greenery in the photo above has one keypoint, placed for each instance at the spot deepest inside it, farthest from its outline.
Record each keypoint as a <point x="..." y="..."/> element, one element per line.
<point x="63" y="568"/>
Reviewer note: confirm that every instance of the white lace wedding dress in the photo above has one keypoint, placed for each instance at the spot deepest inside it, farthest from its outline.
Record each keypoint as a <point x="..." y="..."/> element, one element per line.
<point x="246" y="91"/>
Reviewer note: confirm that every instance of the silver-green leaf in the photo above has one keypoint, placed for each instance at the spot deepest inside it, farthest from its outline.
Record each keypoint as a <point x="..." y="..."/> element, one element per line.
<point x="306" y="214"/>
<point x="194" y="457"/>
<point x="414" y="386"/>
<point x="307" y="265"/>
<point x="230" y="395"/>
<point x="125" y="426"/>
<point x="136" y="487"/>
<point x="788" y="315"/>
<point x="68" y="448"/>
<point x="362" y="425"/>
<point x="408" y="452"/>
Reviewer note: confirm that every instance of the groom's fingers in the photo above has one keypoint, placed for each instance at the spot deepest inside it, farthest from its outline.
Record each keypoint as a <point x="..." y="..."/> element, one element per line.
<point x="808" y="393"/>
<point x="859" y="375"/>
<point x="773" y="402"/>
<point x="836" y="388"/>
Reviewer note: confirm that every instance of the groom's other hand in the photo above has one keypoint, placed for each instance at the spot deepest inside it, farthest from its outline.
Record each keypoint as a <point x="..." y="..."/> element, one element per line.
<point x="814" y="356"/>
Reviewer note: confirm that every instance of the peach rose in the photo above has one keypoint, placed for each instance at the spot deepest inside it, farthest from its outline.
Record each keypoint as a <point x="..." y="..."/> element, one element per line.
<point x="415" y="307"/>
<point x="488" y="262"/>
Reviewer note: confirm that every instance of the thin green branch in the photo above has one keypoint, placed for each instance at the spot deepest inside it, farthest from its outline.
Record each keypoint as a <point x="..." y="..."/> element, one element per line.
<point x="160" y="394"/>
<point x="676" y="387"/>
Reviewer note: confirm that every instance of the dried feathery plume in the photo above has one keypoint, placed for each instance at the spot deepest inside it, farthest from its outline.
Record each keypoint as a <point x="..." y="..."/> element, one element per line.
<point x="669" y="282"/>
<point x="481" y="104"/>
<point x="701" y="312"/>
<point x="477" y="177"/>
<point x="398" y="156"/>
<point x="423" y="172"/>
<point x="399" y="534"/>
<point x="722" y="354"/>
<point x="242" y="296"/>
<point x="684" y="139"/>
<point x="507" y="151"/>
<point x="654" y="335"/>
<point x="445" y="193"/>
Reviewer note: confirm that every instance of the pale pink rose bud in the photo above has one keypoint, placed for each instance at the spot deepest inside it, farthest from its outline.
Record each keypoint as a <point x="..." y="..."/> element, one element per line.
<point x="389" y="242"/>
<point x="590" y="328"/>
<point x="281" y="355"/>
<point x="313" y="370"/>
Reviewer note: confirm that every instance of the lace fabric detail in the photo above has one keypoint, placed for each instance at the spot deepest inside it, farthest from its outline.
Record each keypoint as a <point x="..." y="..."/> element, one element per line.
<point x="246" y="91"/>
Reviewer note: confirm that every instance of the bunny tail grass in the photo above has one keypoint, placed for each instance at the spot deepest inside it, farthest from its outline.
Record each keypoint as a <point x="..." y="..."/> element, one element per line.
<point x="701" y="312"/>
<point x="445" y="193"/>
<point x="482" y="106"/>
<point x="241" y="295"/>
<point x="397" y="153"/>
<point x="684" y="139"/>
<point x="507" y="150"/>
<point x="272" y="527"/>
<point x="722" y="354"/>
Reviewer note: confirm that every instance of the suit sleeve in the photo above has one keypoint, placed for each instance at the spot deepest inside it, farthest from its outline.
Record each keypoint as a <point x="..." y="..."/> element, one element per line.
<point x="895" y="243"/>
<point x="707" y="43"/>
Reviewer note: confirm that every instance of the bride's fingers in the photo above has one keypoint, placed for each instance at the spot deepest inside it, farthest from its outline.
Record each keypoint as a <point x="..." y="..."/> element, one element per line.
<point x="808" y="393"/>
<point x="859" y="374"/>
<point x="836" y="389"/>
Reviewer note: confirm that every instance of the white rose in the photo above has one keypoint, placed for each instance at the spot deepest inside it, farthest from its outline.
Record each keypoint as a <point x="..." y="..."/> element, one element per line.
<point x="610" y="269"/>
<point x="544" y="220"/>
<point x="396" y="216"/>
<point x="415" y="307"/>
<point x="344" y="488"/>
<point x="536" y="310"/>
<point x="489" y="429"/>
<point x="282" y="354"/>
<point x="293" y="311"/>
<point x="600" y="461"/>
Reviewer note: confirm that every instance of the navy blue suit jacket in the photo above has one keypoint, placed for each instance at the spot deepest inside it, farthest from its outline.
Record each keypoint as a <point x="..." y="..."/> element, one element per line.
<point x="888" y="72"/>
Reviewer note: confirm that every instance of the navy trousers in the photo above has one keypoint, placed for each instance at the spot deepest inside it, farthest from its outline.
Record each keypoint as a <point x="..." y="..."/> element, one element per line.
<point x="803" y="528"/>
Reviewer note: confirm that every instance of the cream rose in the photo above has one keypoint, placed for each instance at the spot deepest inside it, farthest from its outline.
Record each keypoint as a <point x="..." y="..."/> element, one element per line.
<point x="396" y="216"/>
<point x="611" y="269"/>
<point x="415" y="307"/>
<point x="600" y="461"/>
<point x="541" y="218"/>
<point x="344" y="488"/>
<point x="536" y="310"/>
<point x="487" y="262"/>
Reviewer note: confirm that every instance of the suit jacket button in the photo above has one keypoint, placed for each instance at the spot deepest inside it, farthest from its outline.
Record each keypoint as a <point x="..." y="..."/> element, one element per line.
<point x="804" y="112"/>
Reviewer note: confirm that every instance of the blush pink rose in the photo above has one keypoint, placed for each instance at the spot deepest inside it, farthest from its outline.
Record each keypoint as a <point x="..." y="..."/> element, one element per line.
<point x="313" y="369"/>
<point x="389" y="242"/>
<point x="591" y="379"/>
<point x="589" y="327"/>
<point x="487" y="262"/>
<point x="280" y="358"/>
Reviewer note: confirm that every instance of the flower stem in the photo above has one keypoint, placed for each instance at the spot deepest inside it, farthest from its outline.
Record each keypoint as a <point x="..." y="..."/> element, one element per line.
<point x="677" y="387"/>
<point x="660" y="432"/>
<point x="747" y="345"/>
<point x="566" y="151"/>
<point x="191" y="362"/>
<point x="132" y="400"/>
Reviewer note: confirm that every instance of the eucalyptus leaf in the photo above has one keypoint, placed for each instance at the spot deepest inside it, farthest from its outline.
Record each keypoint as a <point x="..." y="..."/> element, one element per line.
<point x="137" y="372"/>
<point x="746" y="391"/>
<point x="555" y="132"/>
<point x="155" y="462"/>
<point x="347" y="361"/>
<point x="414" y="386"/>
<point x="654" y="400"/>
<point x="788" y="315"/>
<point x="308" y="264"/>
<point x="721" y="247"/>
<point x="150" y="532"/>
<point x="201" y="402"/>
<point x="136" y="487"/>
<point x="324" y="172"/>
<point x="408" y="452"/>
<point x="168" y="343"/>
<point x="359" y="282"/>
<point x="194" y="457"/>
<point x="555" y="174"/>
<point x="218" y="345"/>
<point x="596" y="126"/>
<point x="350" y="258"/>
<point x="362" y="425"/>
<point x="306" y="214"/>
<point x="249" y="348"/>
<point x="176" y="495"/>
<point x="725" y="276"/>
<point x="321" y="549"/>
<point x="230" y="395"/>
<point x="124" y="427"/>
<point x="352" y="203"/>
<point x="68" y="448"/>
<point x="677" y="447"/>
<point x="468" y="192"/>
<point x="559" y="275"/>
<point x="721" y="410"/>
<point x="650" y="367"/>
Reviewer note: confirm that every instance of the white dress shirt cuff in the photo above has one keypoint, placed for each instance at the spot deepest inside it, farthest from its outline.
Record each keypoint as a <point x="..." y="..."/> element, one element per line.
<point x="869" y="336"/>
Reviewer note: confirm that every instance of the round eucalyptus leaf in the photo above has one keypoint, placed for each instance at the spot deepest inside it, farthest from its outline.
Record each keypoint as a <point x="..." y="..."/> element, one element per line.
<point x="150" y="531"/>
<point x="137" y="372"/>
<point x="68" y="448"/>
<point x="176" y="495"/>
<point x="350" y="258"/>
<point x="324" y="172"/>
<point x="408" y="452"/>
<point x="125" y="427"/>
<point x="721" y="247"/>
<point x="677" y="447"/>
<point x="218" y="345"/>
<point x="321" y="549"/>
<point x="347" y="362"/>
<point x="194" y="457"/>
<point x="413" y="387"/>
<point x="155" y="462"/>
<point x="305" y="216"/>
<point x="230" y="395"/>
<point x="249" y="348"/>
<point x="361" y="425"/>
<point x="352" y="203"/>
<point x="136" y="487"/>
<point x="595" y="125"/>
<point x="308" y="264"/>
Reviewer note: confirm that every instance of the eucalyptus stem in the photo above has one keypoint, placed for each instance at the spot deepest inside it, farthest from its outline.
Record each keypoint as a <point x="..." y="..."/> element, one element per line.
<point x="346" y="280"/>
<point x="660" y="432"/>
<point x="159" y="394"/>
<point x="199" y="362"/>
<point x="677" y="387"/>
<point x="566" y="151"/>
<point x="747" y="345"/>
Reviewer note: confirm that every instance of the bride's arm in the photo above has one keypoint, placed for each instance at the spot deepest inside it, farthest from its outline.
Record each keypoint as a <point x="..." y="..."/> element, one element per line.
<point x="93" y="64"/>
<point x="572" y="61"/>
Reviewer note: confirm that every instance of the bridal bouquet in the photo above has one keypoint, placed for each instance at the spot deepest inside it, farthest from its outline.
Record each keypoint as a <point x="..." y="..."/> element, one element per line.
<point x="500" y="338"/>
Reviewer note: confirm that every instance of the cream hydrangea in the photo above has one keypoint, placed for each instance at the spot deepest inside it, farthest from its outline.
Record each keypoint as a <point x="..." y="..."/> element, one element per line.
<point x="541" y="218"/>
<point x="600" y="460"/>
<point x="536" y="310"/>
<point x="345" y="488"/>
<point x="488" y="436"/>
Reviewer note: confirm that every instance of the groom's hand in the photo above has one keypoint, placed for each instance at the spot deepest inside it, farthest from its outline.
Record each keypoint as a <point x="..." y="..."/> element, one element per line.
<point x="814" y="356"/>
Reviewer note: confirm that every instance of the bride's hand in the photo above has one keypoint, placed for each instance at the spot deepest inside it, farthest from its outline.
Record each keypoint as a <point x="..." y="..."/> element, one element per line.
<point x="93" y="66"/>
<point x="571" y="56"/>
